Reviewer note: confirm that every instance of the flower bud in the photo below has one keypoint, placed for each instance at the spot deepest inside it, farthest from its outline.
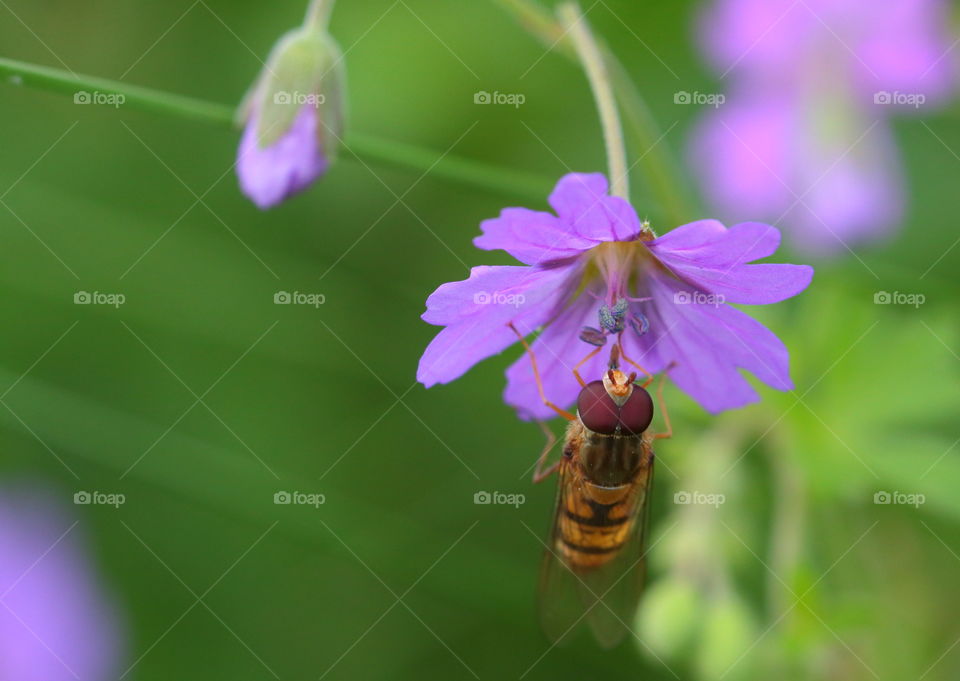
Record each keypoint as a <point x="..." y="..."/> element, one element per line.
<point x="729" y="632"/>
<point x="669" y="616"/>
<point x="294" y="117"/>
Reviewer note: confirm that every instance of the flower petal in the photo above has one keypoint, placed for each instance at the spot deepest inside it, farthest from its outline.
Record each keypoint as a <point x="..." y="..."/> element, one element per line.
<point x="582" y="201"/>
<point x="714" y="258"/>
<point x="708" y="343"/>
<point x="271" y="174"/>
<point x="531" y="237"/>
<point x="476" y="312"/>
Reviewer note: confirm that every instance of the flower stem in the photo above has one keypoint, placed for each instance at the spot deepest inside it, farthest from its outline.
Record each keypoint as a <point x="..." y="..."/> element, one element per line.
<point x="318" y="14"/>
<point x="505" y="181"/>
<point x="659" y="166"/>
<point x="596" y="70"/>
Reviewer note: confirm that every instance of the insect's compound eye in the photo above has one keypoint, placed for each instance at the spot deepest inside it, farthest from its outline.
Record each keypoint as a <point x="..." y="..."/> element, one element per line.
<point x="637" y="413"/>
<point x="597" y="410"/>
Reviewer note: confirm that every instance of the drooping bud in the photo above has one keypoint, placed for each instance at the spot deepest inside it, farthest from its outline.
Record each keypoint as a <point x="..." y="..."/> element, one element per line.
<point x="294" y="114"/>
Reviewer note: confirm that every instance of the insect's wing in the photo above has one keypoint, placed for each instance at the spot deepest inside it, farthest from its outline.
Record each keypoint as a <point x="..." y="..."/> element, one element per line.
<point x="559" y="602"/>
<point x="611" y="592"/>
<point x="606" y="596"/>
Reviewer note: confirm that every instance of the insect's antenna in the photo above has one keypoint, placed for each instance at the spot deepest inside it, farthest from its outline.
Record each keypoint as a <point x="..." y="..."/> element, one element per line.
<point x="613" y="378"/>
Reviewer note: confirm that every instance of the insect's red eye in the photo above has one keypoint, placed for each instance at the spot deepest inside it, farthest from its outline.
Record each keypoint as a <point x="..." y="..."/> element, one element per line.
<point x="597" y="410"/>
<point x="637" y="413"/>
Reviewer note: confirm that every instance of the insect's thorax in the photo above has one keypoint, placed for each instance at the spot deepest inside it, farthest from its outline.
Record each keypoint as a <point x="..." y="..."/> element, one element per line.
<point x="610" y="460"/>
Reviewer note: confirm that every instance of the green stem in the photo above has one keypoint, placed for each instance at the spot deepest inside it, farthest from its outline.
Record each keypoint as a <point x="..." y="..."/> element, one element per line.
<point x="596" y="70"/>
<point x="659" y="166"/>
<point x="504" y="181"/>
<point x="318" y="14"/>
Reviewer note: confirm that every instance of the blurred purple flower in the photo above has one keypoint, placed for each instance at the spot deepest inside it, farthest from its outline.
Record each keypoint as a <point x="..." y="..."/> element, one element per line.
<point x="55" y="622"/>
<point x="294" y="113"/>
<point x="270" y="174"/>
<point x="803" y="136"/>
<point x="664" y="298"/>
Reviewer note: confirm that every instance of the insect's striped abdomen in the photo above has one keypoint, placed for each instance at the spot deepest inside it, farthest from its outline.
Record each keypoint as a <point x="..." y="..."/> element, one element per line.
<point x="593" y="524"/>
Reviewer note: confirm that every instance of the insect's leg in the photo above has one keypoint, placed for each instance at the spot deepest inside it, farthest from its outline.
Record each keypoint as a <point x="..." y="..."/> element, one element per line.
<point x="539" y="473"/>
<point x="536" y="375"/>
<point x="668" y="433"/>
<point x="623" y="354"/>
<point x="583" y="361"/>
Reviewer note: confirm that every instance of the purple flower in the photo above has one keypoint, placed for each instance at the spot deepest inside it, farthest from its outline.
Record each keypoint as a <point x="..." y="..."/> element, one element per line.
<point x="294" y="114"/>
<point x="595" y="264"/>
<point x="55" y="621"/>
<point x="894" y="45"/>
<point x="760" y="154"/>
<point x="803" y="137"/>
<point x="270" y="174"/>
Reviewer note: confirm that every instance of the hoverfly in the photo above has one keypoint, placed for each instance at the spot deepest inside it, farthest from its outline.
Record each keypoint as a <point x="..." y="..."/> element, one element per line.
<point x="594" y="566"/>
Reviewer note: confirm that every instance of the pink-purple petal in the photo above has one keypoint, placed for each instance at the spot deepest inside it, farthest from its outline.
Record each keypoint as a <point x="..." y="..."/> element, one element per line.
<point x="476" y="312"/>
<point x="268" y="175"/>
<point x="582" y="201"/>
<point x="715" y="259"/>
<point x="532" y="237"/>
<point x="709" y="344"/>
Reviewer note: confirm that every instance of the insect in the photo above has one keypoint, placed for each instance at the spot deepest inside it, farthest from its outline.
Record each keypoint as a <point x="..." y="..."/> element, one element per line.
<point x="594" y="565"/>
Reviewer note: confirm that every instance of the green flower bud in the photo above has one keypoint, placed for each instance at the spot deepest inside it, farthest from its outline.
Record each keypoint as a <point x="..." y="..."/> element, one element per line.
<point x="729" y="632"/>
<point x="669" y="616"/>
<point x="304" y="69"/>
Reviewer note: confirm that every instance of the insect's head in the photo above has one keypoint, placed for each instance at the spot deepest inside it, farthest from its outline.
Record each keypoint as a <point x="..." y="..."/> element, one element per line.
<point x="615" y="404"/>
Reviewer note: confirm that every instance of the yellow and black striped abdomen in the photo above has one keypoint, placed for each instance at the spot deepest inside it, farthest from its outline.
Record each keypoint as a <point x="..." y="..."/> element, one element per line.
<point x="594" y="523"/>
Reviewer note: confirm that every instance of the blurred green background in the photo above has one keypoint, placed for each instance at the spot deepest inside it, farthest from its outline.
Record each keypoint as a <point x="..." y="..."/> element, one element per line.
<point x="199" y="399"/>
